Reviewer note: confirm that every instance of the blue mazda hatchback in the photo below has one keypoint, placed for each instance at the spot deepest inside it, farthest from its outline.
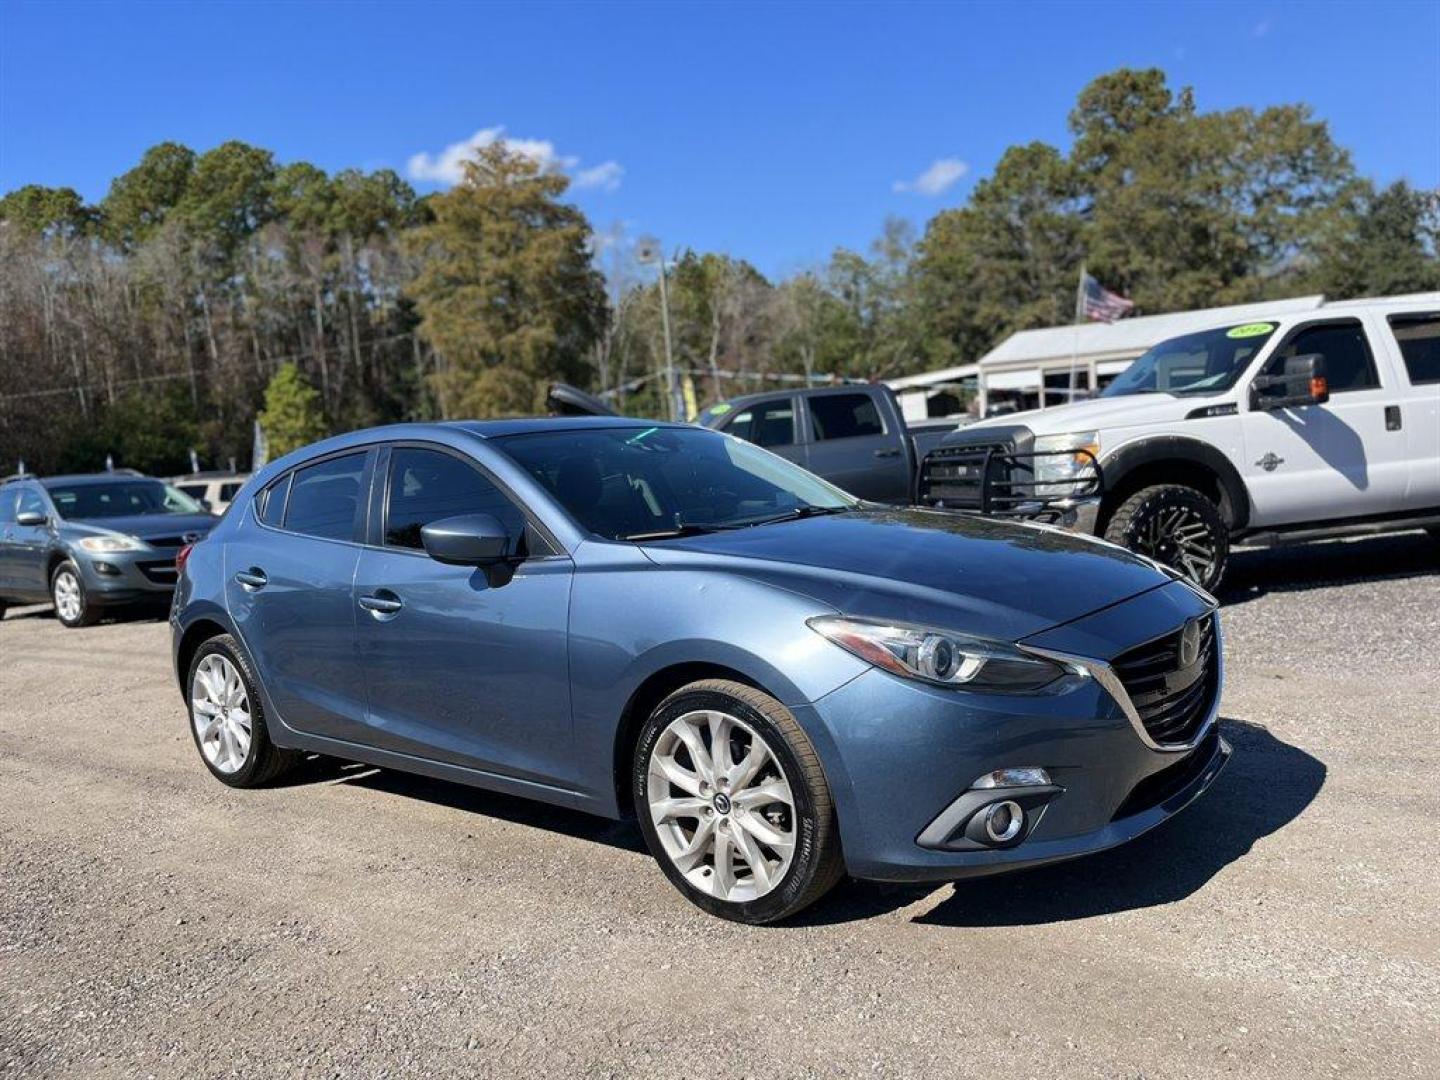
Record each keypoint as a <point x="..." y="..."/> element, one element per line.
<point x="781" y="683"/>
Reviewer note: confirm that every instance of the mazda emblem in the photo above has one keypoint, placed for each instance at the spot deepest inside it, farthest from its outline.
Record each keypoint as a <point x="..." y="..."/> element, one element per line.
<point x="1190" y="643"/>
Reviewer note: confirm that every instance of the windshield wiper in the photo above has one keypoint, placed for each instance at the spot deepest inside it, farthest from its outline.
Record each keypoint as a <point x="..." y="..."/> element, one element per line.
<point x="696" y="528"/>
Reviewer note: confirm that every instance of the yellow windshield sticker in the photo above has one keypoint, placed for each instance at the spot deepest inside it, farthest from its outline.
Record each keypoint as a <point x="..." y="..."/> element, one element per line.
<point x="1254" y="329"/>
<point x="721" y="409"/>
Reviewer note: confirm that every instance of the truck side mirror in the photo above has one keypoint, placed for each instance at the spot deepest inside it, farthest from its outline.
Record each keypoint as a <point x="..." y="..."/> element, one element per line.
<point x="1303" y="383"/>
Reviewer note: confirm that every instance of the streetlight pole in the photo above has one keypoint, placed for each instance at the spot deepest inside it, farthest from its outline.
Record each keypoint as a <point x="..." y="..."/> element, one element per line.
<point x="649" y="250"/>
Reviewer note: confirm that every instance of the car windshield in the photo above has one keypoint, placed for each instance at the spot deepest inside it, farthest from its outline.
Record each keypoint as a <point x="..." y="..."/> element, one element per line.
<point x="1203" y="363"/>
<point x="121" y="498"/>
<point x="653" y="482"/>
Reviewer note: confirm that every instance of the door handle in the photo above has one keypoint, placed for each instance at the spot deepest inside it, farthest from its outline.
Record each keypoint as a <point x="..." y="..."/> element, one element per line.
<point x="254" y="578"/>
<point x="1392" y="418"/>
<point x="381" y="603"/>
<point x="887" y="453"/>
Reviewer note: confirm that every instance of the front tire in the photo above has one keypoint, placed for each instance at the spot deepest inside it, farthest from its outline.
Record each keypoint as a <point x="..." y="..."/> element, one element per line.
<point x="733" y="803"/>
<point x="1175" y="525"/>
<point x="227" y="719"/>
<point x="67" y="592"/>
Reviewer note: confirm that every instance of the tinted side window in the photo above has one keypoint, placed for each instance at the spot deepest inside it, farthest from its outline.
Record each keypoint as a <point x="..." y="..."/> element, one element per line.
<point x="844" y="416"/>
<point x="270" y="503"/>
<point x="1419" y="338"/>
<point x="324" y="498"/>
<point x="229" y="491"/>
<point x="769" y="423"/>
<point x="1348" y="363"/>
<point x="427" y="485"/>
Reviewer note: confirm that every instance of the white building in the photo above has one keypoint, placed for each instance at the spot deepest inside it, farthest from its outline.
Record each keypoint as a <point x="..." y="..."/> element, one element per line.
<point x="1036" y="368"/>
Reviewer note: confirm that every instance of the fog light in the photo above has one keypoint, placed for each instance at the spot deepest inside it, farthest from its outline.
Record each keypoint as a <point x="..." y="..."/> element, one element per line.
<point x="1003" y="821"/>
<point x="1028" y="776"/>
<point x="106" y="568"/>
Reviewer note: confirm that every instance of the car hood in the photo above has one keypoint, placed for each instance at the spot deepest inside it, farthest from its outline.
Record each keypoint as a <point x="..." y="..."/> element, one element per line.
<point x="147" y="527"/>
<point x="1097" y="413"/>
<point x="976" y="575"/>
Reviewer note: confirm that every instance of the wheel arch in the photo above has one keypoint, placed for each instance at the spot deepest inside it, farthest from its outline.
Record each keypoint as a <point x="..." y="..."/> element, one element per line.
<point x="1174" y="459"/>
<point x="654" y="689"/>
<point x="196" y="633"/>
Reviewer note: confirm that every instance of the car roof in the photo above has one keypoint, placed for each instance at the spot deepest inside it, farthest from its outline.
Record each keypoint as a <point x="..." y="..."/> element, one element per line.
<point x="77" y="479"/>
<point x="498" y="429"/>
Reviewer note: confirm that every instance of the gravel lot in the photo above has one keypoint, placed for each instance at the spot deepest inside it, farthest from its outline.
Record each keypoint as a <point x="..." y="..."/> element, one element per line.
<point x="364" y="923"/>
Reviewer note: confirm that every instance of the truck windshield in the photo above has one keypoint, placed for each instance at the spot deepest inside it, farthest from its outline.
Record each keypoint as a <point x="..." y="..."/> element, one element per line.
<point x="120" y="498"/>
<point x="627" y="483"/>
<point x="1204" y="363"/>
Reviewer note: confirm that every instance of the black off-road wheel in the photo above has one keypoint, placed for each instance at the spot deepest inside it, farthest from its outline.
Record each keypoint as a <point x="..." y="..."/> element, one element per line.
<point x="1175" y="525"/>
<point x="227" y="717"/>
<point x="733" y="803"/>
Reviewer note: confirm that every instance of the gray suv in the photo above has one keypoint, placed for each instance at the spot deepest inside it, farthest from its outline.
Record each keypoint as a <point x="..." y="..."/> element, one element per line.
<point x="88" y="543"/>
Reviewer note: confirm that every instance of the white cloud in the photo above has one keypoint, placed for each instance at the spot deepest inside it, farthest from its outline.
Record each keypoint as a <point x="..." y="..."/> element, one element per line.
<point x="936" y="179"/>
<point x="447" y="167"/>
<point x="606" y="176"/>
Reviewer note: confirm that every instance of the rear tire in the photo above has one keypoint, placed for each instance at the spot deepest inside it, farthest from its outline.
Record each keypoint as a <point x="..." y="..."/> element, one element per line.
<point x="745" y="825"/>
<point x="72" y="602"/>
<point x="1175" y="525"/>
<point x="227" y="717"/>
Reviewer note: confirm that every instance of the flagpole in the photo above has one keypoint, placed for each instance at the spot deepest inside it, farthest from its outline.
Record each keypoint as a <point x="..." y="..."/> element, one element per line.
<point x="1074" y="337"/>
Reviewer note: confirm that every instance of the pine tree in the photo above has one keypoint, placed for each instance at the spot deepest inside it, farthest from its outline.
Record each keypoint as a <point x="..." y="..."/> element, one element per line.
<point x="292" y="416"/>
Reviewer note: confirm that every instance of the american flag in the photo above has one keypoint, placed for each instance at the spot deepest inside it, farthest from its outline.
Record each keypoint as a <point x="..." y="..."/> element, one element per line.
<point x="1099" y="303"/>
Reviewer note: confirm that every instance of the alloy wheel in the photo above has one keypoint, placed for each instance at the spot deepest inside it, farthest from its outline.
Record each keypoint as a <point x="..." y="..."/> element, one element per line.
<point x="220" y="710"/>
<point x="1178" y="536"/>
<point x="721" y="806"/>
<point x="67" y="596"/>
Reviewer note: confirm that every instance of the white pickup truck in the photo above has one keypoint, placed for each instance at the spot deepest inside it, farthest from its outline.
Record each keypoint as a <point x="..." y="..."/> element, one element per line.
<point x="1308" y="425"/>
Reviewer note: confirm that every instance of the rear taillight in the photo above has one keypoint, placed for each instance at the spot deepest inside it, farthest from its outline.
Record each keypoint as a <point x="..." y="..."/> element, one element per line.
<point x="182" y="557"/>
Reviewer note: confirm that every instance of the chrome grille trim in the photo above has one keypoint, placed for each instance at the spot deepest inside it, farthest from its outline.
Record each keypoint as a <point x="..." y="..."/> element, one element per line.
<point x="1108" y="679"/>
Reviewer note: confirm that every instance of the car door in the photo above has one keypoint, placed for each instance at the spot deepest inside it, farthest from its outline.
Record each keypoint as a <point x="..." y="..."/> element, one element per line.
<point x="8" y="494"/>
<point x="1335" y="460"/>
<point x="29" y="545"/>
<point x="771" y="423"/>
<point x="1416" y="338"/>
<point x="463" y="665"/>
<point x="289" y="589"/>
<point x="851" y="446"/>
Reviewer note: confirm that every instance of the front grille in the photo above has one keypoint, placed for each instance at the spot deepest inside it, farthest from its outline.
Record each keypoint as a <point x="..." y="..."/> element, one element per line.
<point x="952" y="475"/>
<point x="166" y="541"/>
<point x="1172" y="699"/>
<point x="162" y="573"/>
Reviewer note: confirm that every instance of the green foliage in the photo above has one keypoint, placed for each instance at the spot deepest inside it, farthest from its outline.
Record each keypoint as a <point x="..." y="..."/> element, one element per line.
<point x="506" y="290"/>
<point x="151" y="430"/>
<point x="228" y="196"/>
<point x="292" y="416"/>
<point x="47" y="212"/>
<point x="1384" y="245"/>
<point x="140" y="200"/>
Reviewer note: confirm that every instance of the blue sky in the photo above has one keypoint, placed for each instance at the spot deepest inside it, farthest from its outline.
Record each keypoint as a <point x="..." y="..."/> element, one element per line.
<point x="774" y="132"/>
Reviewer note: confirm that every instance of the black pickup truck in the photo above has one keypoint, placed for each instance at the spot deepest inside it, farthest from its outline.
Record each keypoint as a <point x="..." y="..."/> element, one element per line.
<point x="852" y="434"/>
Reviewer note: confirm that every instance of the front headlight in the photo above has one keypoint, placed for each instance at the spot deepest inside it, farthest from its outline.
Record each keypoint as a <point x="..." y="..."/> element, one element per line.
<point x="1066" y="463"/>
<point x="101" y="545"/>
<point x="939" y="656"/>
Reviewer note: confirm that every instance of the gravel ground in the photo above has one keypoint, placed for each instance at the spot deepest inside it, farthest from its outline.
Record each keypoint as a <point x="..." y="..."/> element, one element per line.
<point x="365" y="923"/>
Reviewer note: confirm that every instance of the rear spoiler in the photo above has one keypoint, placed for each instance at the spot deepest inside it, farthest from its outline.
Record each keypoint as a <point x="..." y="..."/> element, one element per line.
<point x="564" y="400"/>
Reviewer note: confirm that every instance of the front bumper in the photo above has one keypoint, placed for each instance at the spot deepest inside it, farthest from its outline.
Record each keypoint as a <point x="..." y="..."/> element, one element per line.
<point x="900" y="755"/>
<point x="127" y="577"/>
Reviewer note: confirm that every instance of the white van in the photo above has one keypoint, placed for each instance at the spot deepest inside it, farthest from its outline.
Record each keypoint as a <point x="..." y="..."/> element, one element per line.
<point x="1318" y="423"/>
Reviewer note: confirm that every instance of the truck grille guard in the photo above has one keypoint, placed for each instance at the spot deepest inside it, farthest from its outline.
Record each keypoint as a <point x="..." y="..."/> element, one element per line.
<point x="999" y="482"/>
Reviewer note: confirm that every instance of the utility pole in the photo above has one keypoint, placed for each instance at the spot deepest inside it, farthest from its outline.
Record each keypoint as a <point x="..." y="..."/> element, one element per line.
<point x="648" y="250"/>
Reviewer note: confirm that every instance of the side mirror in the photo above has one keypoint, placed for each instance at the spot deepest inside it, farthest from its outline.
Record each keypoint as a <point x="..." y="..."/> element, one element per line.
<point x="30" y="517"/>
<point x="1304" y="383"/>
<point x="467" y="540"/>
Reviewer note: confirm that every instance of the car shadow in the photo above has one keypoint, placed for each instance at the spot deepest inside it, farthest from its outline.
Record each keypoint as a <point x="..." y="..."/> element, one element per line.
<point x="1267" y="784"/>
<point x="1257" y="571"/>
<point x="316" y="769"/>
